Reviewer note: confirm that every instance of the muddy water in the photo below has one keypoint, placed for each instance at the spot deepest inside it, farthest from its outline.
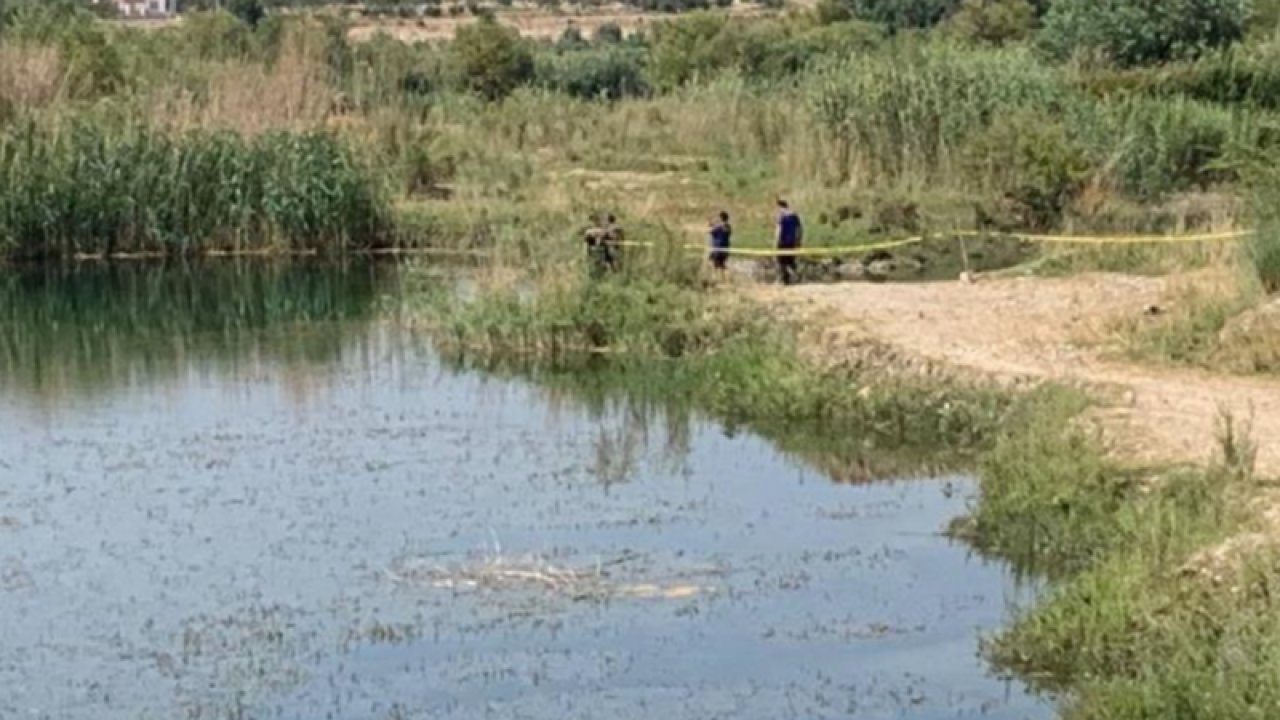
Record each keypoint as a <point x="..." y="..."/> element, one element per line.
<point x="238" y="493"/>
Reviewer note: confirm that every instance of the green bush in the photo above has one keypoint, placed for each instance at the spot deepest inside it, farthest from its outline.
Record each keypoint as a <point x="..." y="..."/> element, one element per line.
<point x="42" y="20"/>
<point x="607" y="34"/>
<point x="1136" y="32"/>
<point x="901" y="14"/>
<point x="1034" y="158"/>
<point x="1172" y="144"/>
<point x="688" y="48"/>
<point x="215" y="35"/>
<point x="1243" y="74"/>
<point x="493" y="59"/>
<point x="702" y="45"/>
<point x="606" y="73"/>
<point x="994" y="21"/>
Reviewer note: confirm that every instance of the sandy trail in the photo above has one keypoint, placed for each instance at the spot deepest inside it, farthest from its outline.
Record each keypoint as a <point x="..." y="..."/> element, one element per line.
<point x="1047" y="329"/>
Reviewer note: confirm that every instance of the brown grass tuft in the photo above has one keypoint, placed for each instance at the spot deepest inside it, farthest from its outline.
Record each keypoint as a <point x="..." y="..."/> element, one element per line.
<point x="251" y="98"/>
<point x="30" y="75"/>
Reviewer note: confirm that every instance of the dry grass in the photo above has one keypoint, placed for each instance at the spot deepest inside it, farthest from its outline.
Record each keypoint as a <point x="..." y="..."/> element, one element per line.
<point x="30" y="76"/>
<point x="1216" y="319"/>
<point x="252" y="98"/>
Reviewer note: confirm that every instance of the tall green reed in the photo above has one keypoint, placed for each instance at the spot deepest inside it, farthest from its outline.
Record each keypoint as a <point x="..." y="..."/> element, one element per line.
<point x="94" y="187"/>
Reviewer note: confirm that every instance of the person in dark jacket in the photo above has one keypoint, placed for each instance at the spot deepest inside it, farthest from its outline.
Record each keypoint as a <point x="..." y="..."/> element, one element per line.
<point x="719" y="236"/>
<point x="789" y="236"/>
<point x="611" y="244"/>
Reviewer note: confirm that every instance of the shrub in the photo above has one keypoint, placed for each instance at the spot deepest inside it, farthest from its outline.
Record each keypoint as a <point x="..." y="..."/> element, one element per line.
<point x="994" y="21"/>
<point x="1034" y="159"/>
<point x="607" y="34"/>
<point x="42" y="20"/>
<point x="250" y="12"/>
<point x="493" y="59"/>
<point x="215" y="35"/>
<point x="1136" y="32"/>
<point x="571" y="39"/>
<point x="692" y="46"/>
<point x="704" y="44"/>
<point x="1167" y="145"/>
<point x="605" y="73"/>
<point x="901" y="14"/>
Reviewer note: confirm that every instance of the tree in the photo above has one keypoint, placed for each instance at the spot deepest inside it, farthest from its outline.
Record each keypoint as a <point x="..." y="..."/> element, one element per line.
<point x="1137" y="32"/>
<point x="492" y="58"/>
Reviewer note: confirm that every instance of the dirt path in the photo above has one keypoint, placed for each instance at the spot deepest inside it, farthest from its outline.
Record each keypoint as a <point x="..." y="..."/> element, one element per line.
<point x="1047" y="329"/>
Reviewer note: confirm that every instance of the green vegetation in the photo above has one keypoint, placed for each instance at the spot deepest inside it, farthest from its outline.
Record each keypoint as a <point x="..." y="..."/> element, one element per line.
<point x="1161" y="604"/>
<point x="662" y="339"/>
<point x="492" y="59"/>
<point x="86" y="189"/>
<point x="1135" y="32"/>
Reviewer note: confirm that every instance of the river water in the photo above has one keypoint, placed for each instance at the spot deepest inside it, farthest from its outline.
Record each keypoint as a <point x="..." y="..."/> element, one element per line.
<point x="240" y="491"/>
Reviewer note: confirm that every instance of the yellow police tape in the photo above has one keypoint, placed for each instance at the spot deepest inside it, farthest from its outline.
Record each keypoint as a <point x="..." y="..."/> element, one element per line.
<point x="1108" y="239"/>
<point x="836" y="250"/>
<point x="826" y="250"/>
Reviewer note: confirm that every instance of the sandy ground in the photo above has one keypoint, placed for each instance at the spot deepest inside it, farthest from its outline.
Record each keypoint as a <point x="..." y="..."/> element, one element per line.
<point x="1047" y="329"/>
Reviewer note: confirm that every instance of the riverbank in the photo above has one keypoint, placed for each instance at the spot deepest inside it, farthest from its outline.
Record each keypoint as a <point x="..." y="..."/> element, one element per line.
<point x="1138" y="491"/>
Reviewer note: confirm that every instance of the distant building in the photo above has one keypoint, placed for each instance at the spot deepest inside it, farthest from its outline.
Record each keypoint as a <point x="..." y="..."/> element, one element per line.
<point x="144" y="8"/>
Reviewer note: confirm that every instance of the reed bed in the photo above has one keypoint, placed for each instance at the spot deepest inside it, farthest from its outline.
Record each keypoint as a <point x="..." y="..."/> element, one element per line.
<point x="89" y="188"/>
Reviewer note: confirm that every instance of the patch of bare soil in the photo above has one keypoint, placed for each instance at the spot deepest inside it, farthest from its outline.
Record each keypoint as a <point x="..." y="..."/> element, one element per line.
<point x="1040" y="329"/>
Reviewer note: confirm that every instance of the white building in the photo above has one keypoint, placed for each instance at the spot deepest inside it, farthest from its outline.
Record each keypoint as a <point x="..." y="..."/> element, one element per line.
<point x="144" y="8"/>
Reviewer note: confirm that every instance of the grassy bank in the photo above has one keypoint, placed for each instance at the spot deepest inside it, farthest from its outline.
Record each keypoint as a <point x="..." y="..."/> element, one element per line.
<point x="658" y="339"/>
<point x="1161" y="603"/>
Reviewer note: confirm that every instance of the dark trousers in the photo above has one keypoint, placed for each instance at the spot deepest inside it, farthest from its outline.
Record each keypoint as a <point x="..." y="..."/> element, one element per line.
<point x="788" y="269"/>
<point x="602" y="258"/>
<point x="719" y="257"/>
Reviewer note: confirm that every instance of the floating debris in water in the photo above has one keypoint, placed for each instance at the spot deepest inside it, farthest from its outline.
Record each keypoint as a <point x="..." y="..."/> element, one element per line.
<point x="524" y="573"/>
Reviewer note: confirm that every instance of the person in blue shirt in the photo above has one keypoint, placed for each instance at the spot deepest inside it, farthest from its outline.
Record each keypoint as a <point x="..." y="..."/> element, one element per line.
<point x="720" y="234"/>
<point x="789" y="236"/>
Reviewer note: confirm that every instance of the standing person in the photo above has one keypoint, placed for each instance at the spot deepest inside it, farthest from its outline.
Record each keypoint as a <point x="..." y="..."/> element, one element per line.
<point x="611" y="246"/>
<point x="720" y="234"/>
<point x="789" y="236"/>
<point x="593" y="240"/>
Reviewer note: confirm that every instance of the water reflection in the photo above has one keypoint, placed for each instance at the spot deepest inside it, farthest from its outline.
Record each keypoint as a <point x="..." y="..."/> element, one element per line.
<point x="96" y="327"/>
